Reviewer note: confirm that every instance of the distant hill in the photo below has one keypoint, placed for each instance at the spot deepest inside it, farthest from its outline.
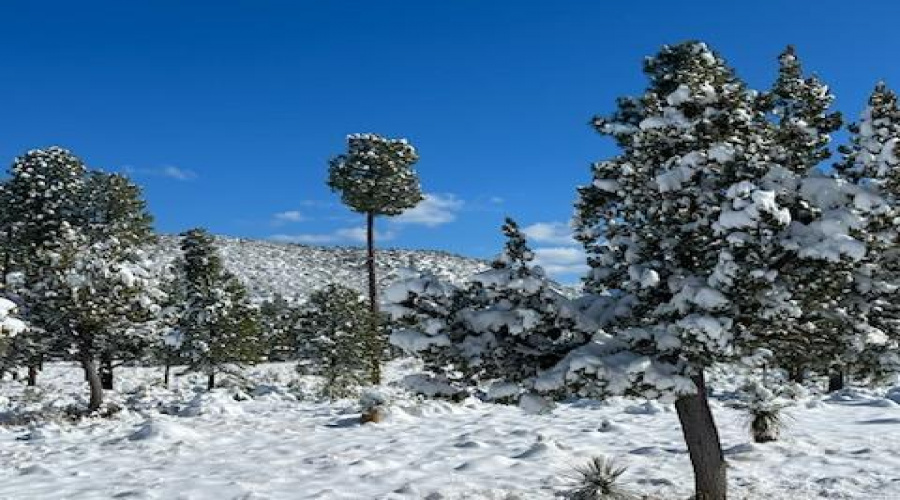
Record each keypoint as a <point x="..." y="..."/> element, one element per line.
<point x="294" y="271"/>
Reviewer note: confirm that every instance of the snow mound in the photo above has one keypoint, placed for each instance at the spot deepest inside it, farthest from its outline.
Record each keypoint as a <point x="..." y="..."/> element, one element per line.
<point x="218" y="402"/>
<point x="163" y="430"/>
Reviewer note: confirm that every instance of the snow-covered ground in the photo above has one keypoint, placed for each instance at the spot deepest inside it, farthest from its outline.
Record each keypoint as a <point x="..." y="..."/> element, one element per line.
<point x="270" y="438"/>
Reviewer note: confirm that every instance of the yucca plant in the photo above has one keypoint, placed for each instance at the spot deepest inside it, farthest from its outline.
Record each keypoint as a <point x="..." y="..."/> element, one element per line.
<point x="766" y="414"/>
<point x="767" y="423"/>
<point x="597" y="479"/>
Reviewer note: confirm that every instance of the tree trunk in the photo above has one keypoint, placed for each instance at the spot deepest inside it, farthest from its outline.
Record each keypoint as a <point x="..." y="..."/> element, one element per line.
<point x="106" y="370"/>
<point x="795" y="374"/>
<point x="704" y="447"/>
<point x="373" y="297"/>
<point x="836" y="380"/>
<point x="93" y="379"/>
<point x="211" y="381"/>
<point x="166" y="372"/>
<point x="370" y="261"/>
<point x="32" y="375"/>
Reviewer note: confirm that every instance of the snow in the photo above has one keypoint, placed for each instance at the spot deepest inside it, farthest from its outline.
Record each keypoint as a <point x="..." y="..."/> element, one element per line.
<point x="748" y="206"/>
<point x="413" y="341"/>
<point x="608" y="185"/>
<point x="722" y="152"/>
<point x="9" y="325"/>
<point x="288" y="445"/>
<point x="681" y="95"/>
<point x="649" y="278"/>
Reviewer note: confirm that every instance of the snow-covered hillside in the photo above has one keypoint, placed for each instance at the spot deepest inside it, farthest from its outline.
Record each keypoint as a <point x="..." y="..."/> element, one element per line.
<point x="296" y="270"/>
<point x="272" y="438"/>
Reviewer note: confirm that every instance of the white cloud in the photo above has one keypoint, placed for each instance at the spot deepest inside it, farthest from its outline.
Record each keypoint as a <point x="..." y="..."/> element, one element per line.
<point x="316" y="203"/>
<point x="307" y="239"/>
<point x="358" y="234"/>
<point x="169" y="171"/>
<point x="559" y="261"/>
<point x="553" y="233"/>
<point x="182" y="174"/>
<point x="497" y="200"/>
<point x="435" y="210"/>
<point x="343" y="235"/>
<point x="288" y="216"/>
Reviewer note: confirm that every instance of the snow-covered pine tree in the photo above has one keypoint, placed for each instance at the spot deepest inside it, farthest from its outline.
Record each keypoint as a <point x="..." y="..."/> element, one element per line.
<point x="871" y="164"/>
<point x="423" y="314"/>
<point x="685" y="232"/>
<point x="41" y="201"/>
<point x="75" y="261"/>
<point x="167" y="339"/>
<point x="116" y="213"/>
<point x="98" y="299"/>
<point x="514" y="323"/>
<point x="278" y="324"/>
<point x="804" y="120"/>
<point x="498" y="333"/>
<point x="803" y="127"/>
<point x="219" y="328"/>
<point x="375" y="177"/>
<point x="342" y="333"/>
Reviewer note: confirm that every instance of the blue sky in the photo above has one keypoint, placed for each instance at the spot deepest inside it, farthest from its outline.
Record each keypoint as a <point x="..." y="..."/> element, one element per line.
<point x="227" y="111"/>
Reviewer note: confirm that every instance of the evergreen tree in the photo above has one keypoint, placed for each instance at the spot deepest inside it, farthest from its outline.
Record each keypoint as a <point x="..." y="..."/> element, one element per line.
<point x="343" y="334"/>
<point x="423" y="317"/>
<point x="498" y="333"/>
<point x="278" y="323"/>
<point x="166" y="343"/>
<point x="697" y="227"/>
<point x="688" y="231"/>
<point x="41" y="206"/>
<point x="75" y="259"/>
<point x="871" y="164"/>
<point x="803" y="128"/>
<point x="219" y="328"/>
<point x="804" y="120"/>
<point x="375" y="177"/>
<point x="115" y="212"/>
<point x="94" y="301"/>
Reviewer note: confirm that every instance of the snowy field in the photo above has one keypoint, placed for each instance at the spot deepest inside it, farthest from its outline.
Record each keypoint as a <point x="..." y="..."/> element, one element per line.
<point x="270" y="438"/>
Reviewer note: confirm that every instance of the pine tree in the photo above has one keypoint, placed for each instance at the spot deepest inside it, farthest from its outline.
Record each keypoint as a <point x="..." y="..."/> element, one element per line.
<point x="343" y="334"/>
<point x="278" y="322"/>
<point x="803" y="128"/>
<point x="95" y="301"/>
<point x="521" y="324"/>
<point x="693" y="230"/>
<point x="871" y="165"/>
<point x="805" y="122"/>
<point x="375" y="177"/>
<point x="115" y="212"/>
<point x="498" y="333"/>
<point x="219" y="328"/>
<point x="41" y="204"/>
<point x="423" y="318"/>
<point x="76" y="262"/>
<point x="167" y="341"/>
<point x="685" y="215"/>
